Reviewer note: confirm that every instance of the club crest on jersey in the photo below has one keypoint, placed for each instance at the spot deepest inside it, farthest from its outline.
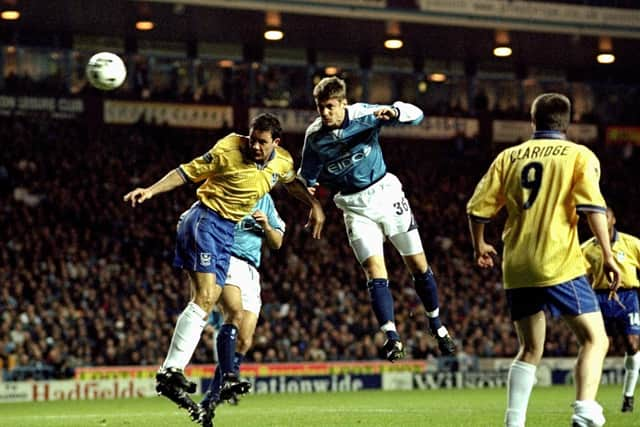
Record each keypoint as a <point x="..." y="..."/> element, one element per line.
<point x="205" y="259"/>
<point x="620" y="256"/>
<point x="274" y="179"/>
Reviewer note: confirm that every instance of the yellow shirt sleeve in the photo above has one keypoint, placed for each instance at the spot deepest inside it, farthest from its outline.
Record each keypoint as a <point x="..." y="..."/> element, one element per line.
<point x="586" y="188"/>
<point x="201" y="167"/>
<point x="488" y="197"/>
<point x="287" y="172"/>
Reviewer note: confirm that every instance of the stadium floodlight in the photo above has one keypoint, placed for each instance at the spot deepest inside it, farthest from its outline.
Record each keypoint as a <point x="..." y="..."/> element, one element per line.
<point x="502" y="46"/>
<point x="273" y="24"/>
<point x="145" y="25"/>
<point x="10" y="14"/>
<point x="394" y="36"/>
<point x="605" y="51"/>
<point x="273" y="35"/>
<point x="437" y="77"/>
<point x="606" y="58"/>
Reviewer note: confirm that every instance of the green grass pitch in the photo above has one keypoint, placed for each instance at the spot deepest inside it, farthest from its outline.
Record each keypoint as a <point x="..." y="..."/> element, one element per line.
<point x="549" y="407"/>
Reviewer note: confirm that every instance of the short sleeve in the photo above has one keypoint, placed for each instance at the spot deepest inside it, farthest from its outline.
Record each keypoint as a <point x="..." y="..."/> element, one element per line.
<point x="488" y="197"/>
<point x="586" y="189"/>
<point x="274" y="219"/>
<point x="200" y="168"/>
<point x="288" y="176"/>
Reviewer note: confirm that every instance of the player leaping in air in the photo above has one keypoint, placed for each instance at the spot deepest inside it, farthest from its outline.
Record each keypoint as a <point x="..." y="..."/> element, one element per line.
<point x="235" y="174"/>
<point x="342" y="152"/>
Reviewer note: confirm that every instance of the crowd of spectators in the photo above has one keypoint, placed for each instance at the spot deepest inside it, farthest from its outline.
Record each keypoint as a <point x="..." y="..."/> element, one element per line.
<point x="85" y="280"/>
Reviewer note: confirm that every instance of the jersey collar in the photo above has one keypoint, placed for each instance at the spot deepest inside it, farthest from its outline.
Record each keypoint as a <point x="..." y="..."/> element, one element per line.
<point x="549" y="134"/>
<point x="264" y="165"/>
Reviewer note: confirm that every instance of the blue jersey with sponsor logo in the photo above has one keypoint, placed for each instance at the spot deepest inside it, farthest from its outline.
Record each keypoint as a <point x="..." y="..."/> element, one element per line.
<point x="350" y="158"/>
<point x="248" y="234"/>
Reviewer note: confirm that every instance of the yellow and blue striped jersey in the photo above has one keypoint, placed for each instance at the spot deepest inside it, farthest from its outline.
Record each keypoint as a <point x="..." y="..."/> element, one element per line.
<point x="542" y="183"/>
<point x="233" y="184"/>
<point x="626" y="250"/>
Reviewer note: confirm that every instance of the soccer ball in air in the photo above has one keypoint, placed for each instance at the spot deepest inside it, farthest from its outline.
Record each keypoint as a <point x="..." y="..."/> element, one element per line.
<point x="106" y="71"/>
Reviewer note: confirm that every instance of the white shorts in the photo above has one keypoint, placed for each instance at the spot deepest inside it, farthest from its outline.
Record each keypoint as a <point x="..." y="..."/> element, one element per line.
<point x="378" y="212"/>
<point x="246" y="277"/>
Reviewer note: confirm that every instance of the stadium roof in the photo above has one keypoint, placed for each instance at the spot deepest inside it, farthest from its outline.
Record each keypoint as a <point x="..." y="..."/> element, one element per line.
<point x="318" y="25"/>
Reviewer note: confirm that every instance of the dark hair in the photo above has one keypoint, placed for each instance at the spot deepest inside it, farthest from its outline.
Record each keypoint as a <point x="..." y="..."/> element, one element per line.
<point x="551" y="111"/>
<point x="268" y="122"/>
<point x="330" y="87"/>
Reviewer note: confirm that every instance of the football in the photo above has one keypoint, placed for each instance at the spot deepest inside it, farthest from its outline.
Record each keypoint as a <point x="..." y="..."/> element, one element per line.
<point x="106" y="71"/>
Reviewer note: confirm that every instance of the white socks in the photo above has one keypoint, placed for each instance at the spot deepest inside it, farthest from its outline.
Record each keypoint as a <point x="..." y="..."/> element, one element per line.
<point x="522" y="377"/>
<point x="587" y="413"/>
<point x="389" y="326"/>
<point x="631" y="367"/>
<point x="186" y="336"/>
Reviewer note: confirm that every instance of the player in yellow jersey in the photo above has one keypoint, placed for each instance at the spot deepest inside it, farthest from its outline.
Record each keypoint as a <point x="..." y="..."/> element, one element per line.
<point x="543" y="183"/>
<point x="235" y="174"/>
<point x="621" y="314"/>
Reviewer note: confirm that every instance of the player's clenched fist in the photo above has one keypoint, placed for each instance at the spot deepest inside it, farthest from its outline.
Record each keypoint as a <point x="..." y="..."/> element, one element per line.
<point x="386" y="113"/>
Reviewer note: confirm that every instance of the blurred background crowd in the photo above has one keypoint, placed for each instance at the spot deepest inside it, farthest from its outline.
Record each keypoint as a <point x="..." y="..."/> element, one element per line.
<point x="87" y="281"/>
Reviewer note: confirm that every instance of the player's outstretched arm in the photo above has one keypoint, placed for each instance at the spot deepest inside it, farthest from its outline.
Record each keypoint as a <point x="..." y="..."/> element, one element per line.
<point x="483" y="252"/>
<point x="316" y="217"/>
<point x="167" y="183"/>
<point x="598" y="224"/>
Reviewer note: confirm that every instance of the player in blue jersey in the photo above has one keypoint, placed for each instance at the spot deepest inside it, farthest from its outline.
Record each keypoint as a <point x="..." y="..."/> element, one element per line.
<point x="262" y="225"/>
<point x="342" y="152"/>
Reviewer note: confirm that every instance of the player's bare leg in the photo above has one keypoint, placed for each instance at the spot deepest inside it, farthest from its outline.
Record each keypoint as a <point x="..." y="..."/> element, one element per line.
<point x="427" y="289"/>
<point x="631" y="368"/>
<point x="170" y="379"/>
<point x="590" y="332"/>
<point x="522" y="373"/>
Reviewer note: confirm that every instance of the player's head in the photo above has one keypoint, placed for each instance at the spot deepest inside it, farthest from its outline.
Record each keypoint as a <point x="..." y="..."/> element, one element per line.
<point x="330" y="95"/>
<point x="611" y="220"/>
<point x="264" y="136"/>
<point x="551" y="111"/>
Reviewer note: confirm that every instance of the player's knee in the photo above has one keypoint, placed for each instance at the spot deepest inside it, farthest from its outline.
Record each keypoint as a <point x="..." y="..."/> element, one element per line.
<point x="206" y="300"/>
<point x="234" y="316"/>
<point x="244" y="343"/>
<point x="531" y="353"/>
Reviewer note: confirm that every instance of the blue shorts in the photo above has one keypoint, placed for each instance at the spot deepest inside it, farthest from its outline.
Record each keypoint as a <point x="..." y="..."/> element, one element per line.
<point x="569" y="298"/>
<point x="204" y="242"/>
<point x="619" y="320"/>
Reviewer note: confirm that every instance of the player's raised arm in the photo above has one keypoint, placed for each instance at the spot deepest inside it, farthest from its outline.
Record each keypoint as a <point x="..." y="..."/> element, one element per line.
<point x="399" y="113"/>
<point x="168" y="182"/>
<point x="298" y="189"/>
